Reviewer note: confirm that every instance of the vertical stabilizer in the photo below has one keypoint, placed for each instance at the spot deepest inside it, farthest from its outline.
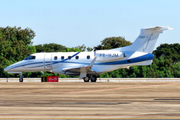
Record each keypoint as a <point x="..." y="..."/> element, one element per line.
<point x="146" y="41"/>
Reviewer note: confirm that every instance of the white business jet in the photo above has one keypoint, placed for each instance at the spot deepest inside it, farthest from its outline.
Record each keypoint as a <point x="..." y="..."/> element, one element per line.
<point x="88" y="65"/>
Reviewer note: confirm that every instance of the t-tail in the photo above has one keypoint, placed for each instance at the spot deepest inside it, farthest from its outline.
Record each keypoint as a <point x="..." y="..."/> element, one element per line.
<point x="146" y="41"/>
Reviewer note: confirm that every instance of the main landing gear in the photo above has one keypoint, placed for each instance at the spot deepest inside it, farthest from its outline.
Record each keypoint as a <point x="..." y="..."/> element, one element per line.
<point x="93" y="78"/>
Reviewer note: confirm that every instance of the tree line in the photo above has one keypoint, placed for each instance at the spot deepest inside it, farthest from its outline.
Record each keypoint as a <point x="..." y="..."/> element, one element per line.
<point x="16" y="44"/>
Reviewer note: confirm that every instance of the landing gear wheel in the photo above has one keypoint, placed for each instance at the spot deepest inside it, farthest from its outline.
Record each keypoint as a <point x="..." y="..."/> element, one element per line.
<point x="86" y="79"/>
<point x="20" y="79"/>
<point x="93" y="78"/>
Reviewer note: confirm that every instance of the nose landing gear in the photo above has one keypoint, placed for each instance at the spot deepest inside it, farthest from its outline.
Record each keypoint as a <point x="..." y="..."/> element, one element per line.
<point x="21" y="77"/>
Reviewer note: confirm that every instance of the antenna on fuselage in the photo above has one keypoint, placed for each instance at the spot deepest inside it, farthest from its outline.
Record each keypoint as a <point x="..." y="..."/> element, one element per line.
<point x="124" y="55"/>
<point x="94" y="52"/>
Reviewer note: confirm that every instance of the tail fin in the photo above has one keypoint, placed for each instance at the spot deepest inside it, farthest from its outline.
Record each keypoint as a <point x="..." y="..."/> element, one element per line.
<point x="146" y="41"/>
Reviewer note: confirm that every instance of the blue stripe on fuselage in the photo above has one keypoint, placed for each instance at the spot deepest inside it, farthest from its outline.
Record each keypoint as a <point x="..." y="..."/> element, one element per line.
<point x="146" y="57"/>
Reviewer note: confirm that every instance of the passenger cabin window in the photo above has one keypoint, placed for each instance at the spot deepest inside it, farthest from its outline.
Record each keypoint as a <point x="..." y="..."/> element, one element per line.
<point x="77" y="57"/>
<point x="69" y="57"/>
<point x="62" y="57"/>
<point x="88" y="57"/>
<point x="55" y="57"/>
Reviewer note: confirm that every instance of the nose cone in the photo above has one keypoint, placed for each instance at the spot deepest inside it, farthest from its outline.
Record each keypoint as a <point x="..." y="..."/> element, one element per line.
<point x="6" y="69"/>
<point x="14" y="67"/>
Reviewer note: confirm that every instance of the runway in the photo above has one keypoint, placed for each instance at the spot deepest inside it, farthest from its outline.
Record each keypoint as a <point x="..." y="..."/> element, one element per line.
<point x="78" y="100"/>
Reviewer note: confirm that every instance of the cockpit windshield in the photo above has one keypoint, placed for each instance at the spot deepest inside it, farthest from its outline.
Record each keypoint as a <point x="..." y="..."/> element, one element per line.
<point x="30" y="57"/>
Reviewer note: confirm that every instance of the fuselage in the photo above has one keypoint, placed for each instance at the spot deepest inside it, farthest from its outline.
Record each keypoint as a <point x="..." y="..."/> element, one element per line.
<point x="61" y="62"/>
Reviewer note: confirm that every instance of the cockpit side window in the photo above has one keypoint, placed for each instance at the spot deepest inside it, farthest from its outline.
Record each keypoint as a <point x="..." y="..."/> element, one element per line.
<point x="30" y="58"/>
<point x="27" y="58"/>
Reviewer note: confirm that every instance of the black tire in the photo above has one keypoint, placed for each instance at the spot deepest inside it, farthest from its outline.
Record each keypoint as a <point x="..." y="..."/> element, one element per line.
<point x="93" y="78"/>
<point x="86" y="79"/>
<point x="20" y="79"/>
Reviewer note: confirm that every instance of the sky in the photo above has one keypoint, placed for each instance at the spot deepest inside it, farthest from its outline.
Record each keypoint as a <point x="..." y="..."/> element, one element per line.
<point x="77" y="22"/>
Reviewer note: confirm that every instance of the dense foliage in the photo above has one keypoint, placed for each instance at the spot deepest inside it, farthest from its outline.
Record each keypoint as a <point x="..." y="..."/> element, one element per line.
<point x="52" y="47"/>
<point x="16" y="44"/>
<point x="168" y="51"/>
<point x="112" y="42"/>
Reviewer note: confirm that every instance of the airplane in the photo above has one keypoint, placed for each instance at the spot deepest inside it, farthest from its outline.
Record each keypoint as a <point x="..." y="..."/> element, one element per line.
<point x="87" y="65"/>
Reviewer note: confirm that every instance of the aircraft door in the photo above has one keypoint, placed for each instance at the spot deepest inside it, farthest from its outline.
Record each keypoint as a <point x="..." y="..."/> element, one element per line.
<point x="48" y="61"/>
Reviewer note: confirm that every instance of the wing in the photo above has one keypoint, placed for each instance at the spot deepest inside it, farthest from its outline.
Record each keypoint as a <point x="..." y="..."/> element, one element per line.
<point x="83" y="70"/>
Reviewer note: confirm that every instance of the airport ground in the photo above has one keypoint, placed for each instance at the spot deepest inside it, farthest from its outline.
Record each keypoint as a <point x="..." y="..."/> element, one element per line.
<point x="101" y="100"/>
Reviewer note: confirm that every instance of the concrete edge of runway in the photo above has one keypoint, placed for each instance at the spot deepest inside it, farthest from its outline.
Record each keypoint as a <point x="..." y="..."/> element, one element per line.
<point x="98" y="80"/>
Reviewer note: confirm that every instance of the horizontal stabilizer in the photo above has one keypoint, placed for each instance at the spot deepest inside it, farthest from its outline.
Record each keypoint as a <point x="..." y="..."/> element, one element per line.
<point x="159" y="28"/>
